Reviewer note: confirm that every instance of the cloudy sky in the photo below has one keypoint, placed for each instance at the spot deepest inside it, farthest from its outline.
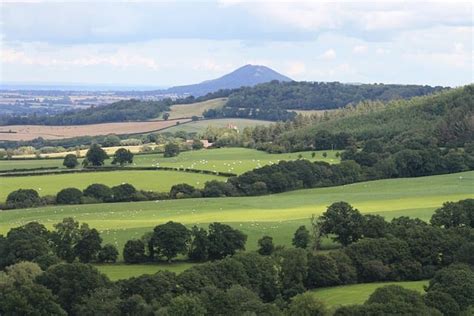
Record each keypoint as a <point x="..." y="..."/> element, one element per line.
<point x="169" y="43"/>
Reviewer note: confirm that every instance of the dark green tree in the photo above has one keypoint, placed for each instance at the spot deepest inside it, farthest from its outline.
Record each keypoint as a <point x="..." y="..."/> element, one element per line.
<point x="198" y="250"/>
<point x="69" y="196"/>
<point x="171" y="150"/>
<point x="344" y="221"/>
<point x="65" y="237"/>
<point x="72" y="282"/>
<point x="134" y="251"/>
<point x="122" y="156"/>
<point x="265" y="246"/>
<point x="224" y="240"/>
<point x="70" y="161"/>
<point x="170" y="239"/>
<point x="95" y="156"/>
<point x="124" y="192"/>
<point x="301" y="238"/>
<point x="88" y="245"/>
<point x="108" y="253"/>
<point x="99" y="192"/>
<point x="23" y="198"/>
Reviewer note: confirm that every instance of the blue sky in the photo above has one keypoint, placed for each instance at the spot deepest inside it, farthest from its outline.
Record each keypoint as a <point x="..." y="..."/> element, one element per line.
<point x="170" y="43"/>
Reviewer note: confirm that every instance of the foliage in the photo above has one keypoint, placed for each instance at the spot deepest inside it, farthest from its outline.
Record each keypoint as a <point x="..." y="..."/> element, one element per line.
<point x="69" y="196"/>
<point x="301" y="238"/>
<point x="344" y="221"/>
<point x="306" y="304"/>
<point x="170" y="239"/>
<point x="171" y="150"/>
<point x="70" y="161"/>
<point x="108" y="253"/>
<point x="99" y="192"/>
<point x="266" y="246"/>
<point x="224" y="241"/>
<point x="134" y="251"/>
<point x="23" y="198"/>
<point x="95" y="156"/>
<point x="122" y="156"/>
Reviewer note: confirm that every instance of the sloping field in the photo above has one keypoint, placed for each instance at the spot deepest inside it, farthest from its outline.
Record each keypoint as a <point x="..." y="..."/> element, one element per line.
<point x="359" y="293"/>
<point x="158" y="180"/>
<point x="235" y="160"/>
<point x="29" y="132"/>
<point x="200" y="126"/>
<point x="276" y="215"/>
<point x="195" y="109"/>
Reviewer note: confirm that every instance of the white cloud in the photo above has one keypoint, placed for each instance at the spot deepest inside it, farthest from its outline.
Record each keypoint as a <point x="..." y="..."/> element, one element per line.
<point x="360" y="49"/>
<point x="330" y="54"/>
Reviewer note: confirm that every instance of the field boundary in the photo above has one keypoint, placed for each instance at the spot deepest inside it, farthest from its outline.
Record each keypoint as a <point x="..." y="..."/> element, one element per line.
<point x="56" y="170"/>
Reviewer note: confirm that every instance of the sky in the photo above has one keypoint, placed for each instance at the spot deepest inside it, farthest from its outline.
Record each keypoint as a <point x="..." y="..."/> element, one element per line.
<point x="156" y="43"/>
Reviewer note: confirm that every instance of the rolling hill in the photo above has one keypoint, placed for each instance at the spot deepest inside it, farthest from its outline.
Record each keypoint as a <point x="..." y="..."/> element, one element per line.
<point x="246" y="76"/>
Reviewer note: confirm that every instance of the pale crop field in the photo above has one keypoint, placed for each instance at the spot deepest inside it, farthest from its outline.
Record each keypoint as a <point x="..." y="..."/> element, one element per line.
<point x="276" y="215"/>
<point x="30" y="132"/>
<point x="151" y="180"/>
<point x="195" y="109"/>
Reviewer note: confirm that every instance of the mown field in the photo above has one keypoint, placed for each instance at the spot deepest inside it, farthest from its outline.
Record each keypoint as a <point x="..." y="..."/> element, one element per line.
<point x="276" y="215"/>
<point x="235" y="160"/>
<point x="359" y="293"/>
<point x="154" y="180"/>
<point x="195" y="109"/>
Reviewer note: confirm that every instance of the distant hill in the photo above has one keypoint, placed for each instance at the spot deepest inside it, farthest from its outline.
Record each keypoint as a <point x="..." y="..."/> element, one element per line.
<point x="246" y="76"/>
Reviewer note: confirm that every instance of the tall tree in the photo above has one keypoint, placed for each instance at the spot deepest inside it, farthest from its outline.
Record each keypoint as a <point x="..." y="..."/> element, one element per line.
<point x="301" y="238"/>
<point x="344" y="221"/>
<point x="95" y="156"/>
<point x="122" y="156"/>
<point x="224" y="240"/>
<point x="170" y="239"/>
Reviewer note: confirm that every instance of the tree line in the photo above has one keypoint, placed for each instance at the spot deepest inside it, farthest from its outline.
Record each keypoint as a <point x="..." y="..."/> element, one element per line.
<point x="271" y="281"/>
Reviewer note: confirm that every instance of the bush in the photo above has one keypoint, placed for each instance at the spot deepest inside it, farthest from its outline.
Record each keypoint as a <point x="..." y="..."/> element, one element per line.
<point x="99" y="192"/>
<point x="134" y="251"/>
<point x="124" y="193"/>
<point x="108" y="253"/>
<point x="23" y="198"/>
<point x="70" y="161"/>
<point x="69" y="196"/>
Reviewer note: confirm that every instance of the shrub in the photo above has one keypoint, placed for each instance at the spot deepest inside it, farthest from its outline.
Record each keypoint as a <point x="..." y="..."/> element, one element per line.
<point x="69" y="196"/>
<point x="23" y="198"/>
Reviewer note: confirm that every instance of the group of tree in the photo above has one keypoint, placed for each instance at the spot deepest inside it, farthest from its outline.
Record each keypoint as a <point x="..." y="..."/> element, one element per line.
<point x="171" y="239"/>
<point x="271" y="281"/>
<point x="94" y="193"/>
<point x="68" y="241"/>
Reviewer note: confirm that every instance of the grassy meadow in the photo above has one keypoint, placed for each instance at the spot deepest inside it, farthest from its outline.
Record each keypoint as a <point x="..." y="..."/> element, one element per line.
<point x="200" y="126"/>
<point x="359" y="293"/>
<point x="120" y="271"/>
<point x="235" y="160"/>
<point x="276" y="215"/>
<point x="152" y="180"/>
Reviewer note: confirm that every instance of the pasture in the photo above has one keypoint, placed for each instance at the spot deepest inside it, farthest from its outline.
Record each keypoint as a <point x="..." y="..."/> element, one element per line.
<point x="151" y="180"/>
<point x="235" y="160"/>
<point x="276" y="215"/>
<point x="200" y="126"/>
<point x="30" y="132"/>
<point x="195" y="109"/>
<point x="120" y="271"/>
<point x="359" y="293"/>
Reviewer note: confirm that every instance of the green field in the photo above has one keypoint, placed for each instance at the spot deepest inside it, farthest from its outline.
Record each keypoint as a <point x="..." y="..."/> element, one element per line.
<point x="359" y="293"/>
<point x="195" y="109"/>
<point x="235" y="160"/>
<point x="276" y="215"/>
<point x="125" y="271"/>
<point x="200" y="126"/>
<point x="160" y="181"/>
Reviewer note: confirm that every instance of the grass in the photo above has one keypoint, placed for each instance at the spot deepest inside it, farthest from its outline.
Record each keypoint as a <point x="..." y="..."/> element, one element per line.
<point x="124" y="271"/>
<point x="200" y="126"/>
<point x="359" y="293"/>
<point x="276" y="215"/>
<point x="195" y="109"/>
<point x="160" y="181"/>
<point x="235" y="160"/>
